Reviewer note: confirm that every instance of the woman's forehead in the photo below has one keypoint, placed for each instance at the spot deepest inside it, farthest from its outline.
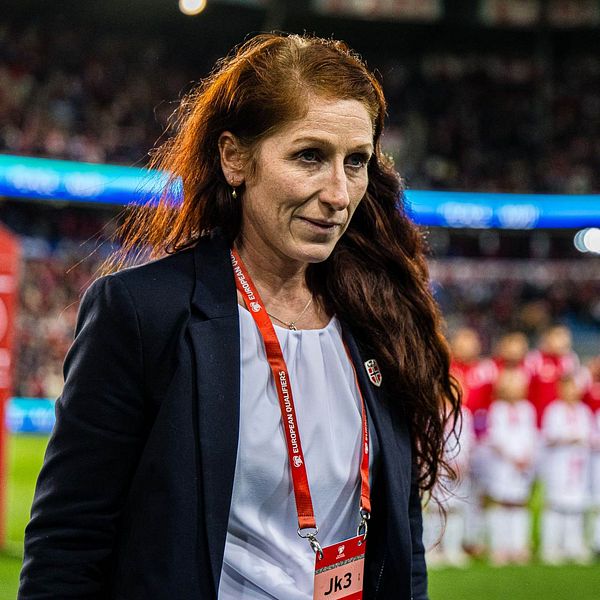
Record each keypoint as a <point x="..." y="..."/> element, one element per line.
<point x="330" y="119"/>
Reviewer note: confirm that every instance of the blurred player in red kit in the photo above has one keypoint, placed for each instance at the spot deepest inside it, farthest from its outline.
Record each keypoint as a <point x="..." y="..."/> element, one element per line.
<point x="552" y="360"/>
<point x="510" y="353"/>
<point x="475" y="374"/>
<point x="591" y="397"/>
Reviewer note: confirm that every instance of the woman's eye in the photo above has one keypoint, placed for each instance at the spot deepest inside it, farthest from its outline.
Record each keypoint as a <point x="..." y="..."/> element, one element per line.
<point x="357" y="160"/>
<point x="309" y="155"/>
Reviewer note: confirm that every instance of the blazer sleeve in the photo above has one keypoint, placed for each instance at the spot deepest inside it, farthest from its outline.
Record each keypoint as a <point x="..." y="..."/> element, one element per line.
<point x="419" y="568"/>
<point x="92" y="452"/>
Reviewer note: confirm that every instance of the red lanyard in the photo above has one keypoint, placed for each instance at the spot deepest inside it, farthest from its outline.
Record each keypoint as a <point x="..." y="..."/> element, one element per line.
<point x="304" y="507"/>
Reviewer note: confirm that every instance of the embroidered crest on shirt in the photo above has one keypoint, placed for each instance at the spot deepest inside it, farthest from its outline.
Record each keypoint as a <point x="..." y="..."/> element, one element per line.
<point x="373" y="371"/>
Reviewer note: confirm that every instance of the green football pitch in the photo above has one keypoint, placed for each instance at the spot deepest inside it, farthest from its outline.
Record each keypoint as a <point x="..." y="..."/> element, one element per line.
<point x="479" y="582"/>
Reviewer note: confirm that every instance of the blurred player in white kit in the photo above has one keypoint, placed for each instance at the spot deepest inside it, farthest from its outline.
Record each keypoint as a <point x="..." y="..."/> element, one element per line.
<point x="567" y="433"/>
<point x="513" y="442"/>
<point x="596" y="485"/>
<point x="448" y="549"/>
<point x="475" y="375"/>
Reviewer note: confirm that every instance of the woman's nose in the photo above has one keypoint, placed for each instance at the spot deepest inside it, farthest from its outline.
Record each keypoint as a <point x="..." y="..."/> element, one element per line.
<point x="335" y="190"/>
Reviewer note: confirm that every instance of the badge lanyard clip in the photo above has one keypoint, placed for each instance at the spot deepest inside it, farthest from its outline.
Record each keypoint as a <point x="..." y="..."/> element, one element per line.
<point x="363" y="526"/>
<point x="311" y="536"/>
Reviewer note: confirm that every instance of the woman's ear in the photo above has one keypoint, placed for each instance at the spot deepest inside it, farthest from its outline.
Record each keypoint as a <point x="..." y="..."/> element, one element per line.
<point x="232" y="159"/>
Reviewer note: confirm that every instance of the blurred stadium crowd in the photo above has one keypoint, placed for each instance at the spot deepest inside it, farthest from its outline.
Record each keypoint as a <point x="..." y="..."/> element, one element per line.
<point x="62" y="249"/>
<point x="525" y="295"/>
<point x="71" y="94"/>
<point x="486" y="122"/>
<point x="49" y="299"/>
<point x="456" y="121"/>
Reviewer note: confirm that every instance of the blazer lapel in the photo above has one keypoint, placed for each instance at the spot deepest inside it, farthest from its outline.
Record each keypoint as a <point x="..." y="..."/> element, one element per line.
<point x="369" y="391"/>
<point x="214" y="331"/>
<point x="379" y="413"/>
<point x="392" y="548"/>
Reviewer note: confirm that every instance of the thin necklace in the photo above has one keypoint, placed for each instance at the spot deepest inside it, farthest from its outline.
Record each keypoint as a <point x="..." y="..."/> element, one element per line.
<point x="292" y="324"/>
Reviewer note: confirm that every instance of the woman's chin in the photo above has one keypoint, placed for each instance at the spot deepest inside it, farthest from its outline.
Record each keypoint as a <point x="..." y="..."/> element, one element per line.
<point x="315" y="253"/>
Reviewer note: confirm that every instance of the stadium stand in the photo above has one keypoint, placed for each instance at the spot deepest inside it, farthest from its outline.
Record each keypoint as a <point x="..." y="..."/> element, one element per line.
<point x="461" y="121"/>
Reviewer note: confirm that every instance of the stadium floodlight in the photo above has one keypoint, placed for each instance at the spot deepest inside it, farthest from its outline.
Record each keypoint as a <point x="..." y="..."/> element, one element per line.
<point x="588" y="240"/>
<point x="591" y="240"/>
<point x="192" y="7"/>
<point x="578" y="240"/>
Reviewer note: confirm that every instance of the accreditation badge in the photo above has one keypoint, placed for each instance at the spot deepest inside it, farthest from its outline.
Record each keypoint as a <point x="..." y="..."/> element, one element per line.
<point x="339" y="572"/>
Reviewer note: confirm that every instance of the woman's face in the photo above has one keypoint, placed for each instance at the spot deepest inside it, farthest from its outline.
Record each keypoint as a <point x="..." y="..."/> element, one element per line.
<point x="307" y="182"/>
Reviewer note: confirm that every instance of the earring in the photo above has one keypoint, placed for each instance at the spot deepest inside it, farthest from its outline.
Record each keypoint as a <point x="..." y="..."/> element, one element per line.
<point x="233" y="193"/>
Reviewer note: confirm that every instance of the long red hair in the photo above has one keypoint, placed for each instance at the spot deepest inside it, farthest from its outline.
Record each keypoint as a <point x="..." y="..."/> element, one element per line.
<point x="376" y="279"/>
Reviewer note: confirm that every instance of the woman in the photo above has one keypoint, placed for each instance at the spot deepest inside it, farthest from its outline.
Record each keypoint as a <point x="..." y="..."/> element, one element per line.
<point x="183" y="463"/>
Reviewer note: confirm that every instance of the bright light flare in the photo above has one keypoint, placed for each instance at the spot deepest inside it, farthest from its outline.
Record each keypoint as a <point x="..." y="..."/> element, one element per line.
<point x="192" y="7"/>
<point x="588" y="240"/>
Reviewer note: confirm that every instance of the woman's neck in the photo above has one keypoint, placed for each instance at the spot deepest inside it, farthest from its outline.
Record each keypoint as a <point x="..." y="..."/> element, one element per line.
<point x="282" y="286"/>
<point x="275" y="278"/>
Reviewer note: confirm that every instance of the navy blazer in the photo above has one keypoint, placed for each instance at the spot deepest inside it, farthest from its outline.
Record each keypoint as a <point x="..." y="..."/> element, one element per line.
<point x="132" y="501"/>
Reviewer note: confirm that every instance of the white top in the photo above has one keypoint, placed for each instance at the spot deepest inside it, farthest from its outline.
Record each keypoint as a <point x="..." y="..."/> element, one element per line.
<point x="264" y="557"/>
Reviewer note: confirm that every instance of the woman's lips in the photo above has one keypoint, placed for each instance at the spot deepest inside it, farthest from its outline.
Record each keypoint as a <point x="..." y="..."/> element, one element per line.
<point x="321" y="225"/>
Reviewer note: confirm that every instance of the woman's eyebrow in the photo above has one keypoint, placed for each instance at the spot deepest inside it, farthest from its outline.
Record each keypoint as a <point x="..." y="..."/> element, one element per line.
<point x="322" y="141"/>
